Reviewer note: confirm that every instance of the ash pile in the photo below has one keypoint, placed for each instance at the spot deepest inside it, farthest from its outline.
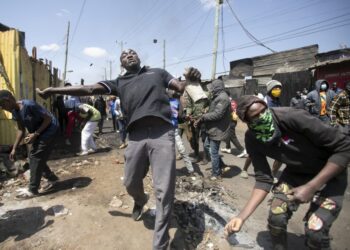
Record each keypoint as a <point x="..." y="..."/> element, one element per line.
<point x="201" y="211"/>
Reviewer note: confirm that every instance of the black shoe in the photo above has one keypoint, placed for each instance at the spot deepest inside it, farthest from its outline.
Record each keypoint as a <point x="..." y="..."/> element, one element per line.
<point x="137" y="210"/>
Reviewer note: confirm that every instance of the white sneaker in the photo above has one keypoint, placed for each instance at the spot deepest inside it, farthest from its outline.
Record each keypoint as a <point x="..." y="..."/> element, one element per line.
<point x="244" y="174"/>
<point x="67" y="142"/>
<point x="91" y="151"/>
<point x="226" y="150"/>
<point x="243" y="154"/>
<point x="82" y="153"/>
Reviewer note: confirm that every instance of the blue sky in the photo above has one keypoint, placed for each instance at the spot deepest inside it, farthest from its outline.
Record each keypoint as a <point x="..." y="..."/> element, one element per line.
<point x="98" y="27"/>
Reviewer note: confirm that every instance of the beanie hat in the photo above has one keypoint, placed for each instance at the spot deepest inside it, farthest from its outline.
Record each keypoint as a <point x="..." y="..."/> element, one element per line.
<point x="271" y="84"/>
<point x="244" y="103"/>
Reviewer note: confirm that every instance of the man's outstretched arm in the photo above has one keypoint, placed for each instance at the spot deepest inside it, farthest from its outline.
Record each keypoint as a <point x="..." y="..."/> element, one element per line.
<point x="95" y="89"/>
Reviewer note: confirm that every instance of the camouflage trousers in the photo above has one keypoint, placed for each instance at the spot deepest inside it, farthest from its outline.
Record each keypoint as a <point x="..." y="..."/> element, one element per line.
<point x="323" y="211"/>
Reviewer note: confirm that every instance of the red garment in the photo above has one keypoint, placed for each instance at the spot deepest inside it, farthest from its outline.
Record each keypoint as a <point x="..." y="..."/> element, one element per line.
<point x="72" y="115"/>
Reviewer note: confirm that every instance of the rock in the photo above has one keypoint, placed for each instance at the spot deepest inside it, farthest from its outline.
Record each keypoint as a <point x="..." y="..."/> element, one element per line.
<point x="59" y="210"/>
<point x="115" y="202"/>
<point x="97" y="163"/>
<point x="125" y="207"/>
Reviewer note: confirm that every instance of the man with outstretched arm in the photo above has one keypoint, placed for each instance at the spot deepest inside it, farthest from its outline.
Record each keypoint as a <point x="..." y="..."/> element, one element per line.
<point x="142" y="92"/>
<point x="316" y="158"/>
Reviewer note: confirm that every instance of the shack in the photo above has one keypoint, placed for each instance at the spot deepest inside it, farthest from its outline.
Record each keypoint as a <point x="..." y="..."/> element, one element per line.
<point x="333" y="66"/>
<point x="291" y="67"/>
<point x="21" y="74"/>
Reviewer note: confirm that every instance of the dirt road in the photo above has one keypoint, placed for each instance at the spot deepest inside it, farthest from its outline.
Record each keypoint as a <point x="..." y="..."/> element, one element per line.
<point x="91" y="210"/>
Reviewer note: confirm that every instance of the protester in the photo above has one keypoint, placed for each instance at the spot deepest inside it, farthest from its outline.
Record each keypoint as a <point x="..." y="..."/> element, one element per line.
<point x="297" y="101"/>
<point x="319" y="99"/>
<point x="100" y="105"/>
<point x="90" y="117"/>
<point x="176" y="115"/>
<point x="151" y="134"/>
<point x="42" y="127"/>
<point x="233" y="137"/>
<point x="273" y="94"/>
<point x="60" y="112"/>
<point x="217" y="123"/>
<point x="335" y="88"/>
<point x="71" y="104"/>
<point x="339" y="110"/>
<point x="119" y="116"/>
<point x="112" y="111"/>
<point x="197" y="103"/>
<point x="316" y="156"/>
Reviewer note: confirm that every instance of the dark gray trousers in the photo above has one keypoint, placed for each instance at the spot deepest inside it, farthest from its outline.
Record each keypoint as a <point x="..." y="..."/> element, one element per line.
<point x="153" y="146"/>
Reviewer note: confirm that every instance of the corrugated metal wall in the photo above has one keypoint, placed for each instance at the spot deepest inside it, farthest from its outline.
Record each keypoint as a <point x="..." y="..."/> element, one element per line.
<point x="20" y="69"/>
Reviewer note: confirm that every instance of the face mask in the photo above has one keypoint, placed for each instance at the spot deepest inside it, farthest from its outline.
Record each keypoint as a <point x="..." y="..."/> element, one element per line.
<point x="263" y="126"/>
<point x="276" y="92"/>
<point x="323" y="86"/>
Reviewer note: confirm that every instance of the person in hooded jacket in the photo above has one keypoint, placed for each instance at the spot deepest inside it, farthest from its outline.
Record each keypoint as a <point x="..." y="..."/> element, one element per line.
<point x="274" y="91"/>
<point x="319" y="100"/>
<point x="316" y="158"/>
<point x="217" y="122"/>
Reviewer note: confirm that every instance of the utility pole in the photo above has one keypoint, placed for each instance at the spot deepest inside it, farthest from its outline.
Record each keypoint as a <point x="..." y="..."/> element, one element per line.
<point x="110" y="70"/>
<point x="66" y="56"/>
<point x="121" y="44"/>
<point x="164" y="54"/>
<point x="216" y="38"/>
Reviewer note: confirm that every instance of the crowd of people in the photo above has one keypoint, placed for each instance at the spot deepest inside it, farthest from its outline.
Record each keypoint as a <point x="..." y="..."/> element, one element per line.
<point x="151" y="110"/>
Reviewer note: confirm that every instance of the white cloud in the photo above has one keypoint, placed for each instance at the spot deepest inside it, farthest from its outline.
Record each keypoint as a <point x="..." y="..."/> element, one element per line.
<point x="208" y="4"/>
<point x="59" y="14"/>
<point x="65" y="11"/>
<point x="94" y="52"/>
<point x="50" y="47"/>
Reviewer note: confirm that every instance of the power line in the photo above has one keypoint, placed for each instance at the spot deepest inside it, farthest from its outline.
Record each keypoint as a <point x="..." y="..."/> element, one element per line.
<point x="76" y="26"/>
<point x="247" y="45"/>
<point x="253" y="38"/>
<point x="195" y="38"/>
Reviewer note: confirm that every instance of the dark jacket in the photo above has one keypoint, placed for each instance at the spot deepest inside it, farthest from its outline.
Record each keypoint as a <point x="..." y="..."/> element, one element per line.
<point x="305" y="146"/>
<point x="314" y="98"/>
<point x="217" y="120"/>
<point x="100" y="105"/>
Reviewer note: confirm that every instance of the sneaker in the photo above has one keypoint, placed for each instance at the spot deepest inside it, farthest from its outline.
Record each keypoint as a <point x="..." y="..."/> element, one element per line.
<point x="243" y="154"/>
<point x="124" y="145"/>
<point x="244" y="174"/>
<point x="67" y="142"/>
<point x="50" y="185"/>
<point x="82" y="153"/>
<point x="91" y="151"/>
<point x="226" y="150"/>
<point x="137" y="210"/>
<point x="215" y="178"/>
<point x="178" y="157"/>
<point x="26" y="194"/>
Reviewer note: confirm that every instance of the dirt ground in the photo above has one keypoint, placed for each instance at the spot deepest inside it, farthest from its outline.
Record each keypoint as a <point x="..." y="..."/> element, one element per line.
<point x="91" y="210"/>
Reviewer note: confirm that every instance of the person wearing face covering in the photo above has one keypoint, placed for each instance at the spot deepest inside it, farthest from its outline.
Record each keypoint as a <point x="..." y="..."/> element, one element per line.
<point x="316" y="158"/>
<point x="274" y="91"/>
<point x="340" y="110"/>
<point x="319" y="100"/>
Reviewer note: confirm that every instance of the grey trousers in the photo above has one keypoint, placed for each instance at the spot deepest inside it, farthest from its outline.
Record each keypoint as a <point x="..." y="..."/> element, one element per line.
<point x="155" y="146"/>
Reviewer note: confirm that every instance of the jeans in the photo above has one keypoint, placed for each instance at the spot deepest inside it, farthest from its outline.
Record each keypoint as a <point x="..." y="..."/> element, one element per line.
<point x="182" y="151"/>
<point x="38" y="157"/>
<point x="212" y="148"/>
<point x="122" y="131"/>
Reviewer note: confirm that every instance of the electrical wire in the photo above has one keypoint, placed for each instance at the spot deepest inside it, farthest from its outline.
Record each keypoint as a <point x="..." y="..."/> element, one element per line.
<point x="76" y="26"/>
<point x="253" y="38"/>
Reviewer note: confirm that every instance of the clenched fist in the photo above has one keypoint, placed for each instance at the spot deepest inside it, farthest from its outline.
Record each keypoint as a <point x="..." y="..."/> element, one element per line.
<point x="192" y="74"/>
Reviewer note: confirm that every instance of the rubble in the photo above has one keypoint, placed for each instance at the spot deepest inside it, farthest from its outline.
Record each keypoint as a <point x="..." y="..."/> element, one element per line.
<point x="59" y="210"/>
<point x="115" y="202"/>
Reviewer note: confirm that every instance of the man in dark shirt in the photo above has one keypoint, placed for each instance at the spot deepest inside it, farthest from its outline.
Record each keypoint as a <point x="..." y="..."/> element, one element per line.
<point x="42" y="127"/>
<point x="316" y="158"/>
<point x="143" y="97"/>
